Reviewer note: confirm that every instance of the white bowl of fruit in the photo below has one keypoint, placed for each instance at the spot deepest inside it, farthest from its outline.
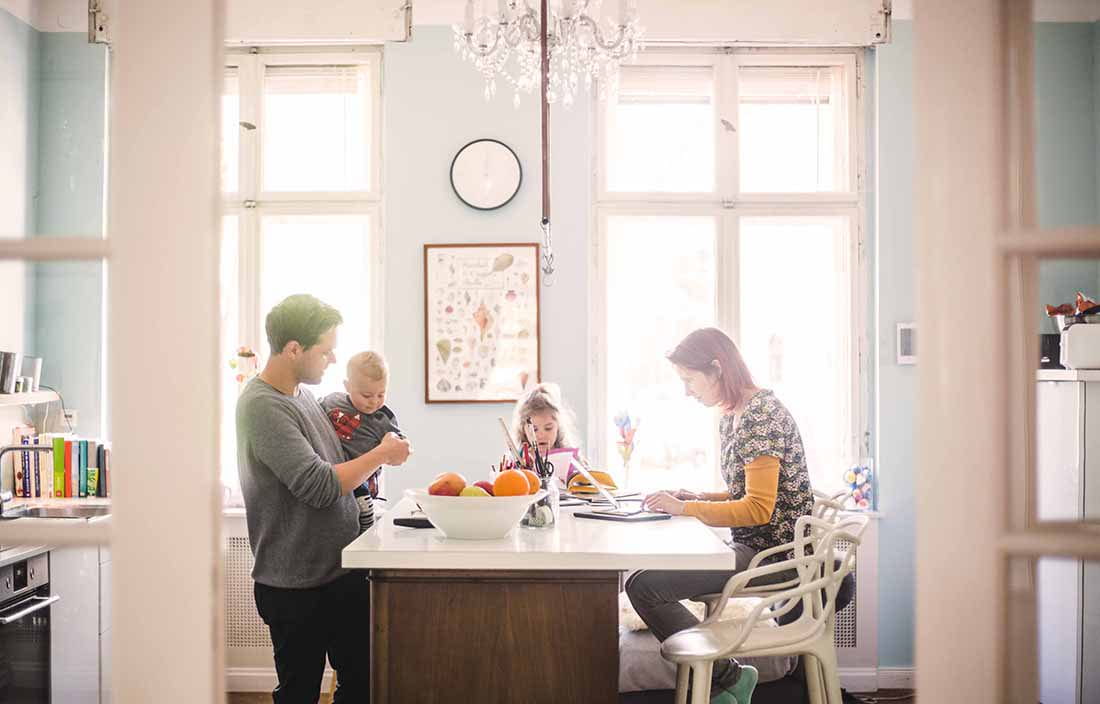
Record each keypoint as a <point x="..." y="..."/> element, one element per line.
<point x="480" y="511"/>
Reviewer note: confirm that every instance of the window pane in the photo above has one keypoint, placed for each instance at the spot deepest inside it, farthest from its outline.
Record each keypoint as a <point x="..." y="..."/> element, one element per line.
<point x="802" y="265"/>
<point x="316" y="128"/>
<point x="660" y="130"/>
<point x="231" y="131"/>
<point x="327" y="257"/>
<point x="660" y="286"/>
<point x="793" y="129"/>
<point x="230" y="366"/>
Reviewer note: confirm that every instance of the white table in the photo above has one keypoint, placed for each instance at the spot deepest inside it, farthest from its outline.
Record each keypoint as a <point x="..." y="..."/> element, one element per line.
<point x="679" y="543"/>
<point x="532" y="617"/>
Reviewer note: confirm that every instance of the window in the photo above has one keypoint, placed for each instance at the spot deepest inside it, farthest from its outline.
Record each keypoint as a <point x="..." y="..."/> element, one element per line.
<point x="728" y="195"/>
<point x="301" y="178"/>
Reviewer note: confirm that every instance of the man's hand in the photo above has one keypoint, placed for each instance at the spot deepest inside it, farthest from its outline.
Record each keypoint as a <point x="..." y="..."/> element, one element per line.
<point x="664" y="502"/>
<point x="395" y="449"/>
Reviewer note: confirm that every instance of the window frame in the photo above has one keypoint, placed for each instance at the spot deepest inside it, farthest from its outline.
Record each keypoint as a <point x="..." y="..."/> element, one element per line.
<point x="250" y="203"/>
<point x="728" y="205"/>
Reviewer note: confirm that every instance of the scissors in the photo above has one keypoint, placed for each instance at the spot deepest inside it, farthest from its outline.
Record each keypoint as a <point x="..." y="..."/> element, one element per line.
<point x="543" y="467"/>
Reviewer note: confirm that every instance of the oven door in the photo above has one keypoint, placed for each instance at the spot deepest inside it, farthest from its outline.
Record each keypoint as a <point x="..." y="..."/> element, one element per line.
<point x="25" y="648"/>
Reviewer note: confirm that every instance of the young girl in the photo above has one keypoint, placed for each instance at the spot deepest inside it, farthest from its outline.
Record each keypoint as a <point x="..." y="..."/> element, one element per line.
<point x="555" y="426"/>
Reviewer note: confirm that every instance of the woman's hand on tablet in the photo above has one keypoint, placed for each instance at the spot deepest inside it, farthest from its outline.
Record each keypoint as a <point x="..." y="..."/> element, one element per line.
<point x="664" y="502"/>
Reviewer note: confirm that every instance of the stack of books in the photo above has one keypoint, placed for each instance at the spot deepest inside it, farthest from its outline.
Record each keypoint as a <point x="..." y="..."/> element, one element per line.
<point x="74" y="468"/>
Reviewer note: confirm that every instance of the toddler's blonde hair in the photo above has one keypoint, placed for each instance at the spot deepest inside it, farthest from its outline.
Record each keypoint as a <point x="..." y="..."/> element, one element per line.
<point x="369" y="364"/>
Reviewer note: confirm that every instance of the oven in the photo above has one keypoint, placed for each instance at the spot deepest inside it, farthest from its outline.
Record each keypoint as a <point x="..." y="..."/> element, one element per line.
<point x="25" y="601"/>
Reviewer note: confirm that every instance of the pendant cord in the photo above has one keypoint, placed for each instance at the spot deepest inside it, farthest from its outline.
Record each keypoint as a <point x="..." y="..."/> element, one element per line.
<point x="544" y="52"/>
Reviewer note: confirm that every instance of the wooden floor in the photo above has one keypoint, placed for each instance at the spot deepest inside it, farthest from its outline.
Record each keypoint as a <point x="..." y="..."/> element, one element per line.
<point x="885" y="696"/>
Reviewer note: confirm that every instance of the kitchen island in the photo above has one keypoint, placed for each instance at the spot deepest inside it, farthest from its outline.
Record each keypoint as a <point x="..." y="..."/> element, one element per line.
<point x="526" y="619"/>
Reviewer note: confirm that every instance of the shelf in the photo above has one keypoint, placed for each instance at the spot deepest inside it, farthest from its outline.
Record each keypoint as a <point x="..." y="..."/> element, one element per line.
<point x="28" y="399"/>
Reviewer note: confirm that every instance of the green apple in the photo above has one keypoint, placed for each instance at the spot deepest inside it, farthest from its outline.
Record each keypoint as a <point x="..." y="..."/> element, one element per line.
<point x="473" y="491"/>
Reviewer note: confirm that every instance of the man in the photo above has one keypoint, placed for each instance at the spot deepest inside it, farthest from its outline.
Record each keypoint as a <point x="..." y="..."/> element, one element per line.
<point x="301" y="511"/>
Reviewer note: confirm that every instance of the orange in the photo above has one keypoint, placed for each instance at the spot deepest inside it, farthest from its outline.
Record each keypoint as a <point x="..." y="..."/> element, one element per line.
<point x="511" y="482"/>
<point x="532" y="480"/>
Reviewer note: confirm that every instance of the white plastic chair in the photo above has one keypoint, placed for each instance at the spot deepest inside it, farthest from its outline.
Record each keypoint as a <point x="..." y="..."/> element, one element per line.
<point x="818" y="578"/>
<point x="813" y="528"/>
<point x="828" y="506"/>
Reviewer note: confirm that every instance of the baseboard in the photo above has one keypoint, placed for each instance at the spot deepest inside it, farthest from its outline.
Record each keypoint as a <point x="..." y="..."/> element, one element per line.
<point x="260" y="679"/>
<point x="859" y="679"/>
<point x="853" y="679"/>
<point x="896" y="678"/>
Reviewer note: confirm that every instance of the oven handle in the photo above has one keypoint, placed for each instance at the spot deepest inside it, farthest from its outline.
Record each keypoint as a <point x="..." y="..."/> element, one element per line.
<point x="40" y="602"/>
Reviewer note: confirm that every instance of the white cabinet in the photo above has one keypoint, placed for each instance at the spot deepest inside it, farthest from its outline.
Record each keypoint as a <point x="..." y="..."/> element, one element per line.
<point x="1068" y="453"/>
<point x="79" y="633"/>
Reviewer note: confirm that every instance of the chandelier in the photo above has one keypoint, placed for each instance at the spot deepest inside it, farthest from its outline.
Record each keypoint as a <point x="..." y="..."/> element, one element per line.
<point x="581" y="47"/>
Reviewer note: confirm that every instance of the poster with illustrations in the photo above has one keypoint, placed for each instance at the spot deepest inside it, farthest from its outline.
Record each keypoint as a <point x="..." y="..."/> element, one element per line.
<point x="481" y="319"/>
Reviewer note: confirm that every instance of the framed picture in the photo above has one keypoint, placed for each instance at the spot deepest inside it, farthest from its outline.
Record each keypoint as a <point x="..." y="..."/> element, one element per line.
<point x="907" y="343"/>
<point x="481" y="322"/>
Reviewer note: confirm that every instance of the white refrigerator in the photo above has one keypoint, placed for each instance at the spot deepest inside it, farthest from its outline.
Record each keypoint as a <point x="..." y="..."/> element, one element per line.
<point x="1068" y="455"/>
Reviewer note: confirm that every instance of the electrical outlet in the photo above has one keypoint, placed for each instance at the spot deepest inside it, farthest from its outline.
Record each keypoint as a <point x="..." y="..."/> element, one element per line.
<point x="70" y="418"/>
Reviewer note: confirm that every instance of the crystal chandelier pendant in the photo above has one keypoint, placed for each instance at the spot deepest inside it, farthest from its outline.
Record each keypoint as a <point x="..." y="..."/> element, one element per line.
<point x="584" y="47"/>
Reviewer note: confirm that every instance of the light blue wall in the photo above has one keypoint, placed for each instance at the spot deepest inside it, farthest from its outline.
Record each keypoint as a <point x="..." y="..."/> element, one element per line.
<point x="19" y="100"/>
<point x="68" y="296"/>
<point x="1066" y="150"/>
<point x="433" y="106"/>
<point x="52" y="137"/>
<point x="1066" y="55"/>
<point x="18" y="166"/>
<point x="895" y="302"/>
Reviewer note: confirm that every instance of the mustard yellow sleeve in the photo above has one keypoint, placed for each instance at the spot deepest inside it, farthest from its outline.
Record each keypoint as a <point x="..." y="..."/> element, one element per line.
<point x="715" y="496"/>
<point x="754" y="509"/>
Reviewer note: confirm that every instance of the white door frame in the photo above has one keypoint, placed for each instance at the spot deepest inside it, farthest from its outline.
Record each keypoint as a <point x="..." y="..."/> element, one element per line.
<point x="164" y="227"/>
<point x="977" y="240"/>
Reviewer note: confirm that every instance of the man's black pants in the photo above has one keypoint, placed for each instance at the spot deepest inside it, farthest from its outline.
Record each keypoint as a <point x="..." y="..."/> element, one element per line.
<point x="308" y="624"/>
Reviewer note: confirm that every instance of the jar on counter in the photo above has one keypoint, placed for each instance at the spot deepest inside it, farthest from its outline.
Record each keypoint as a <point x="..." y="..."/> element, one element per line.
<point x="544" y="512"/>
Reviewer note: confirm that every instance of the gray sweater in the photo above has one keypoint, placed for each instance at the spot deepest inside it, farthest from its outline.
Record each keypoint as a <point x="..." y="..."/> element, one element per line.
<point x="298" y="518"/>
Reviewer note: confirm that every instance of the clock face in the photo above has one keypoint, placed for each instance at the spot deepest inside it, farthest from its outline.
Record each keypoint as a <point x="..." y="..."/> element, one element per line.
<point x="486" y="174"/>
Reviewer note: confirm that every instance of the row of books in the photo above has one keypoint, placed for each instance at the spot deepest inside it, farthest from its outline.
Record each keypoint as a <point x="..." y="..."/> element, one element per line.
<point x="74" y="468"/>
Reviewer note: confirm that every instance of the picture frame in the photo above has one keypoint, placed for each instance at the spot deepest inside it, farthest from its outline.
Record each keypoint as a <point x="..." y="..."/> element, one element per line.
<point x="907" y="343"/>
<point x="482" y="340"/>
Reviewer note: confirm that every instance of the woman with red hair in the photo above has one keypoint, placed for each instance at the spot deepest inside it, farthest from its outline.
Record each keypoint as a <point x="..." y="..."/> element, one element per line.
<point x="768" y="488"/>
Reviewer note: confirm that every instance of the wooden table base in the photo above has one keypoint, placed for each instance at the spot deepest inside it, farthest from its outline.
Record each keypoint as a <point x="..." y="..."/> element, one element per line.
<point x="493" y="636"/>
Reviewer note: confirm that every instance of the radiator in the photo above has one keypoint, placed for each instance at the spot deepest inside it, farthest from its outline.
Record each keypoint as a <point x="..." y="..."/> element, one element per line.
<point x="856" y="635"/>
<point x="248" y="647"/>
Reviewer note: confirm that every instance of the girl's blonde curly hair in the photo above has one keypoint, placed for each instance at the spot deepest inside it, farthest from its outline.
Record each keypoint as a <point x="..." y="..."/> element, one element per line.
<point x="545" y="398"/>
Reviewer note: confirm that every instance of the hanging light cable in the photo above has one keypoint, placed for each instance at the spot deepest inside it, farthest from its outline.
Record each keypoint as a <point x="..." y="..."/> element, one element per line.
<point x="544" y="90"/>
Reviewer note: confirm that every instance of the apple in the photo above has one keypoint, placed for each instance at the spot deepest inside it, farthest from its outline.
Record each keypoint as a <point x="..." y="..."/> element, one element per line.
<point x="447" y="484"/>
<point x="487" y="486"/>
<point x="473" y="490"/>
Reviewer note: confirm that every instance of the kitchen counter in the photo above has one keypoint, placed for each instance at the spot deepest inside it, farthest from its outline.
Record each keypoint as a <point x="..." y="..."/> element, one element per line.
<point x="680" y="543"/>
<point x="533" y="617"/>
<point x="34" y="530"/>
<point x="1068" y="375"/>
<point x="9" y="555"/>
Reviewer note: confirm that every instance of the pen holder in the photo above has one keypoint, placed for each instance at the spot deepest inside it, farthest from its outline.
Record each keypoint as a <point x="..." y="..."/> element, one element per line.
<point x="544" y="512"/>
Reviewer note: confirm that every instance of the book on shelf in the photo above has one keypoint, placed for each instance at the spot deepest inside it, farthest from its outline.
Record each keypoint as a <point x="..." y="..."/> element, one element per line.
<point x="67" y="484"/>
<point x="82" y="486"/>
<point x="21" y="435"/>
<point x="58" y="453"/>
